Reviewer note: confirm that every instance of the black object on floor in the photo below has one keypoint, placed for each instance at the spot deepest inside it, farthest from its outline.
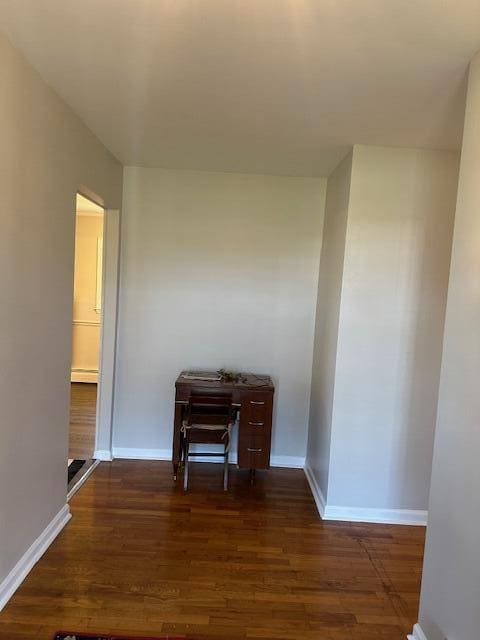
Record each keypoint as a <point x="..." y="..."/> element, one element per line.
<point x="74" y="468"/>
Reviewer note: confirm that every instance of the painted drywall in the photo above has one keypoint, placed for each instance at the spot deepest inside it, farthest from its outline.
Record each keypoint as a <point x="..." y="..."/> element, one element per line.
<point x="47" y="154"/>
<point x="451" y="577"/>
<point x="105" y="395"/>
<point x="392" y="310"/>
<point x="217" y="270"/>
<point x="326" y="322"/>
<point x="377" y="358"/>
<point x="87" y="312"/>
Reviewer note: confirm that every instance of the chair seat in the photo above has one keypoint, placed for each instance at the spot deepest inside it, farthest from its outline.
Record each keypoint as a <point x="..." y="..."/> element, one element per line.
<point x="208" y="427"/>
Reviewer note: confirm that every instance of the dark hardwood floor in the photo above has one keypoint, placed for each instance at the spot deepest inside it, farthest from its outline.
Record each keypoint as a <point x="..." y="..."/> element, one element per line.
<point x="139" y="556"/>
<point x="83" y="409"/>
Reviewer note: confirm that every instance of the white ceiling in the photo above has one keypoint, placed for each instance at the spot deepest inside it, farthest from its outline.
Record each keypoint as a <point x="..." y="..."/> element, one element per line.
<point x="264" y="86"/>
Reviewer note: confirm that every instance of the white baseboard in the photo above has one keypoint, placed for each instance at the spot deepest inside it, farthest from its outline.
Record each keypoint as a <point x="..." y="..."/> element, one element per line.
<point x="417" y="633"/>
<point x="293" y="462"/>
<point x="105" y="455"/>
<point x="380" y="516"/>
<point x="84" y="376"/>
<point x="33" y="554"/>
<point x="361" y="514"/>
<point x="316" y="491"/>
<point x="128" y="453"/>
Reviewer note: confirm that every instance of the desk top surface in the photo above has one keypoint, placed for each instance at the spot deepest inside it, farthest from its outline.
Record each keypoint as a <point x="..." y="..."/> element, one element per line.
<point x="246" y="381"/>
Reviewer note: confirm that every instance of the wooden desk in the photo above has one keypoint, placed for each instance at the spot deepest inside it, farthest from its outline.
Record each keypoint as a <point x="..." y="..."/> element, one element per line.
<point x="253" y="395"/>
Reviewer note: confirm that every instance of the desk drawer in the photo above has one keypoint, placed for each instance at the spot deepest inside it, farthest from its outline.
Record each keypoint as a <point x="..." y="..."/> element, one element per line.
<point x="254" y="451"/>
<point x="255" y="430"/>
<point x="256" y="410"/>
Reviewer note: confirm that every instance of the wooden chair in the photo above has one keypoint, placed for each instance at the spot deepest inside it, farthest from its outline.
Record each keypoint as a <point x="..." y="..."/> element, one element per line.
<point x="208" y="420"/>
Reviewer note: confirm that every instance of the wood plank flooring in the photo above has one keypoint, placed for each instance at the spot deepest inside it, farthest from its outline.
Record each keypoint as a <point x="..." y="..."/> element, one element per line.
<point x="83" y="409"/>
<point x="139" y="556"/>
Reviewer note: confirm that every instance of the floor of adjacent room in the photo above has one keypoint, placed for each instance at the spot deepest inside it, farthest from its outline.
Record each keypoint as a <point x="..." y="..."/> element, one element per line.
<point x="141" y="556"/>
<point x="83" y="410"/>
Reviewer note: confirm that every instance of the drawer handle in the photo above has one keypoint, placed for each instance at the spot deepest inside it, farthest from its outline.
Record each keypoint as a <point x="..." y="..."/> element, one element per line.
<point x="256" y="402"/>
<point x="256" y="424"/>
<point x="254" y="450"/>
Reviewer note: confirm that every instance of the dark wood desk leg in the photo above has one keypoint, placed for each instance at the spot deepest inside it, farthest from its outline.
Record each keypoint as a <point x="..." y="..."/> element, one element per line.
<point x="177" y="438"/>
<point x="252" y="476"/>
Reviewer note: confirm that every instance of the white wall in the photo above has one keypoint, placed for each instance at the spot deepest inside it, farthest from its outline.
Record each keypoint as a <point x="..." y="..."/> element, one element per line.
<point x="217" y="270"/>
<point x="47" y="153"/>
<point x="390" y="325"/>
<point x="449" y="605"/>
<point x="87" y="288"/>
<point x="397" y="257"/>
<point x="326" y="323"/>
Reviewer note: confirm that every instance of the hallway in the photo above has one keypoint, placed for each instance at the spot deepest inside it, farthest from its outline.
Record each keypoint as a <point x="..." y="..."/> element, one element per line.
<point x="139" y="556"/>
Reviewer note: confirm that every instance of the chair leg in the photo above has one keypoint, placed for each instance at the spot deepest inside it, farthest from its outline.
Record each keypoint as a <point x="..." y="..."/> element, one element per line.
<point x="225" y="472"/>
<point x="186" y="462"/>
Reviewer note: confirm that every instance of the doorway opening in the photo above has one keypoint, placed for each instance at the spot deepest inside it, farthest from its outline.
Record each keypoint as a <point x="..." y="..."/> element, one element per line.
<point x="87" y="325"/>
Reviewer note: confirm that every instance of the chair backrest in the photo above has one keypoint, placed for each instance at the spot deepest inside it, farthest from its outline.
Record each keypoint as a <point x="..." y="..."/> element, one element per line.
<point x="210" y="409"/>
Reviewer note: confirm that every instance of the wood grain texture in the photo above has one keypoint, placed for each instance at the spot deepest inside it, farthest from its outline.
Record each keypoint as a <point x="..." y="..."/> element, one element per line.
<point x="140" y="556"/>
<point x="83" y="416"/>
